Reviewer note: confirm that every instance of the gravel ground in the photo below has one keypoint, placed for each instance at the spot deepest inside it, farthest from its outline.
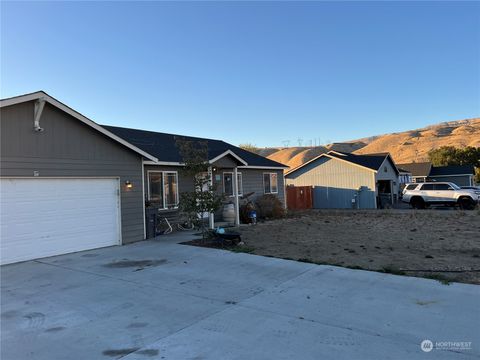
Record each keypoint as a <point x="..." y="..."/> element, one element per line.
<point x="431" y="243"/>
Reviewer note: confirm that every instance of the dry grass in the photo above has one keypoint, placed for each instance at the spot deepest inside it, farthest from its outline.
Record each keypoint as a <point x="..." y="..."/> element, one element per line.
<point x="435" y="244"/>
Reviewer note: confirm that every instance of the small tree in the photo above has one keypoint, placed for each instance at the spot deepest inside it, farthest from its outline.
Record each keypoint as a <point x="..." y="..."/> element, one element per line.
<point x="203" y="199"/>
<point x="249" y="147"/>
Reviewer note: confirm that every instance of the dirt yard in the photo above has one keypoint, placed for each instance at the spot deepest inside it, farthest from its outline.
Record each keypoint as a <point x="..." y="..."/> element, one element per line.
<point x="444" y="245"/>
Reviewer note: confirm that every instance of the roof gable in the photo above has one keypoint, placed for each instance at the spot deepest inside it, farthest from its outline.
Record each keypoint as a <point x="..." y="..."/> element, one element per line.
<point x="41" y="95"/>
<point x="369" y="161"/>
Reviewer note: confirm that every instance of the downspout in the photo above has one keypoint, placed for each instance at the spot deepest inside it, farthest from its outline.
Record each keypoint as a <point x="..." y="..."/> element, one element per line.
<point x="39" y="105"/>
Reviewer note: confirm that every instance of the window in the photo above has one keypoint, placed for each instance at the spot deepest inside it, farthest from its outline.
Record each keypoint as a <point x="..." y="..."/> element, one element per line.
<point x="163" y="188"/>
<point x="411" y="186"/>
<point x="427" y="187"/>
<point x="270" y="183"/>
<point x="228" y="183"/>
<point x="155" y="186"/>
<point x="171" y="190"/>
<point x="443" y="187"/>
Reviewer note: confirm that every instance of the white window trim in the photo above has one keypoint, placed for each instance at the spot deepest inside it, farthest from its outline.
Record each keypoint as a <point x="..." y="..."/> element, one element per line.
<point x="164" y="199"/>
<point x="233" y="185"/>
<point x="270" y="176"/>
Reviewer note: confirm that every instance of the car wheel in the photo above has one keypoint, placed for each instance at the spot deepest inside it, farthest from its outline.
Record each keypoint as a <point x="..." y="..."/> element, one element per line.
<point x="466" y="204"/>
<point x="417" y="203"/>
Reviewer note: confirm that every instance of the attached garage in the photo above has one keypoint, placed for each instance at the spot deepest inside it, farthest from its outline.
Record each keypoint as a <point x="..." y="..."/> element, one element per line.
<point x="45" y="217"/>
<point x="66" y="184"/>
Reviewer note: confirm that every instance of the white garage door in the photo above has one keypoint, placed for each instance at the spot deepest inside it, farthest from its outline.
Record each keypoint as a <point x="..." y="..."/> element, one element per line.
<point x="45" y="217"/>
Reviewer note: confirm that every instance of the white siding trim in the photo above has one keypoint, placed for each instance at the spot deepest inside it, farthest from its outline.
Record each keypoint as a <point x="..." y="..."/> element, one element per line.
<point x="228" y="152"/>
<point x="270" y="176"/>
<point x="163" y="172"/>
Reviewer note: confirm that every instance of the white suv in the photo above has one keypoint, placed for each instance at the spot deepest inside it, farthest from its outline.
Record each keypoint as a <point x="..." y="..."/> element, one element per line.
<point x="422" y="195"/>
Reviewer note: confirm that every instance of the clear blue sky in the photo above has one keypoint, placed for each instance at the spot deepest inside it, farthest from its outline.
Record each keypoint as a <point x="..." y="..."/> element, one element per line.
<point x="249" y="72"/>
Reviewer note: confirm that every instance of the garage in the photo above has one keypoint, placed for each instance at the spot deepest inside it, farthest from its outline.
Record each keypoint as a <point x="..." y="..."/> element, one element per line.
<point x="50" y="216"/>
<point x="345" y="181"/>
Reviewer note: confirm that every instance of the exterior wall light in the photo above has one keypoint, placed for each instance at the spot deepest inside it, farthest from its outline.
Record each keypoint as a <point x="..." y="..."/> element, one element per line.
<point x="128" y="184"/>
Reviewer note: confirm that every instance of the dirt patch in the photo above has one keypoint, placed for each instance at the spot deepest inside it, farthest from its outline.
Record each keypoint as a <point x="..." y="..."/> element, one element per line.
<point x="134" y="263"/>
<point x="441" y="245"/>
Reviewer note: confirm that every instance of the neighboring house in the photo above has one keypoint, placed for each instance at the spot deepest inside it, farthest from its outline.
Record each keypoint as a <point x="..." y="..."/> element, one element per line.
<point x="462" y="175"/>
<point x="344" y="180"/>
<point x="68" y="184"/>
<point x="419" y="171"/>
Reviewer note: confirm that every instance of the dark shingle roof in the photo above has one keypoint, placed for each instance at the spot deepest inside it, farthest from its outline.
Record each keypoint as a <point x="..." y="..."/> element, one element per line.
<point x="417" y="169"/>
<point x="452" y="170"/>
<point x="371" y="161"/>
<point x="162" y="146"/>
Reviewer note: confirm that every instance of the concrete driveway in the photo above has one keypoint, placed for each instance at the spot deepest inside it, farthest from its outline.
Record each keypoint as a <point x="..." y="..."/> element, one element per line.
<point x="161" y="300"/>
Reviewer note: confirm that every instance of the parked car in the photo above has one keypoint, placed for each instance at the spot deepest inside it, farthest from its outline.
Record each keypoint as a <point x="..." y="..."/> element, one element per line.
<point x="422" y="195"/>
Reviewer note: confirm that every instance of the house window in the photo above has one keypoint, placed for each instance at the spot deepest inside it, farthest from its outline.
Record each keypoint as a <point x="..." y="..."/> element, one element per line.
<point x="228" y="183"/>
<point x="171" y="189"/>
<point x="163" y="188"/>
<point x="270" y="183"/>
<point x="155" y="187"/>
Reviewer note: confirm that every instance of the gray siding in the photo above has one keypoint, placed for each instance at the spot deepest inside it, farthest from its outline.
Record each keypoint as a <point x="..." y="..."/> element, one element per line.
<point x="69" y="148"/>
<point x="335" y="183"/>
<point x="252" y="180"/>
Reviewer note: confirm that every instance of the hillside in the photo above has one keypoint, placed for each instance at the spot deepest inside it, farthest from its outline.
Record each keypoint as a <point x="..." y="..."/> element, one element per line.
<point x="407" y="146"/>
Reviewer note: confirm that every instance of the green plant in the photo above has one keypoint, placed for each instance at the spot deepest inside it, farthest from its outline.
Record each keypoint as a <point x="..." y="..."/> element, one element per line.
<point x="203" y="199"/>
<point x="249" y="147"/>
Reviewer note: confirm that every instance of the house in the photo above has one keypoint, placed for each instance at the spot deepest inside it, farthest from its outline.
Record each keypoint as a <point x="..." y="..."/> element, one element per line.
<point x="68" y="184"/>
<point x="344" y="180"/>
<point x="419" y="171"/>
<point x="462" y="175"/>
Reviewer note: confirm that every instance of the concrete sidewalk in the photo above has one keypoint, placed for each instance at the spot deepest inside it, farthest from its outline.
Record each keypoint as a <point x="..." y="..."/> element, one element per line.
<point x="161" y="300"/>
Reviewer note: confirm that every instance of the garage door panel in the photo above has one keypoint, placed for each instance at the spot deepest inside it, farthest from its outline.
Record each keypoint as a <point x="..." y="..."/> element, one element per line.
<point x="45" y="217"/>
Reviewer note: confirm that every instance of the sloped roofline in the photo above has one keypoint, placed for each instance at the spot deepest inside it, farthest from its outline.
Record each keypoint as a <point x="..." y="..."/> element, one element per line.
<point x="51" y="100"/>
<point x="231" y="153"/>
<point x="340" y="159"/>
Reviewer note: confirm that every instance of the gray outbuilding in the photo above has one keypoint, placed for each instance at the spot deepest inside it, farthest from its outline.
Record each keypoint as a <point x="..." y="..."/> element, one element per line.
<point x="344" y="180"/>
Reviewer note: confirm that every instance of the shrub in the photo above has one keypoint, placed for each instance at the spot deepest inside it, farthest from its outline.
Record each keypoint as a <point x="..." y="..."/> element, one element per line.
<point x="270" y="207"/>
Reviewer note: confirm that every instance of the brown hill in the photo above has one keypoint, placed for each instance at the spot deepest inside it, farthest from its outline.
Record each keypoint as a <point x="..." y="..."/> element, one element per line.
<point x="407" y="146"/>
